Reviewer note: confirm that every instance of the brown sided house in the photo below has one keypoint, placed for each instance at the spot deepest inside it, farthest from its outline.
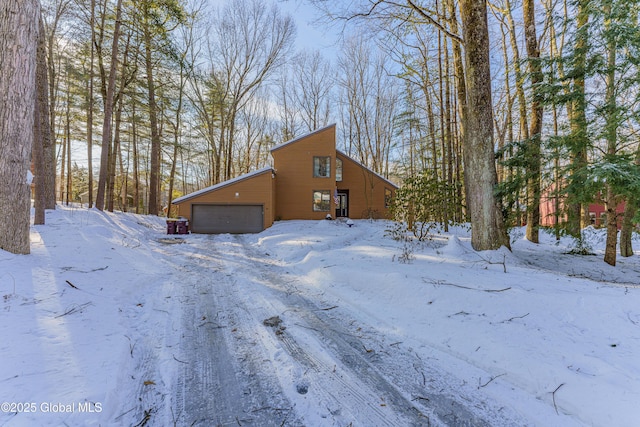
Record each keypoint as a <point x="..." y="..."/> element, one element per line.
<point x="310" y="179"/>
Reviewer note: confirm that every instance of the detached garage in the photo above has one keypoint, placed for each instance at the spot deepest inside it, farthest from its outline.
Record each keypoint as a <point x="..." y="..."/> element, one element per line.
<point x="241" y="205"/>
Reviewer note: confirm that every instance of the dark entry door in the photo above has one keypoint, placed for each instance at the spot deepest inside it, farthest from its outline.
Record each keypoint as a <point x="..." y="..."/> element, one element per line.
<point x="342" y="205"/>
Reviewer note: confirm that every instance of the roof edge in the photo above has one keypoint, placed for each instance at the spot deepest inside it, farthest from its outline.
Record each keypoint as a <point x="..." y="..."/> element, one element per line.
<point x="222" y="184"/>
<point x="396" y="186"/>
<point x="291" y="141"/>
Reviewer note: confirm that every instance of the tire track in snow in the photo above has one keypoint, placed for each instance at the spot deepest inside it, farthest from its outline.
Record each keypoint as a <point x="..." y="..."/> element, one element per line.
<point x="219" y="382"/>
<point x="356" y="380"/>
<point x="341" y="378"/>
<point x="235" y="370"/>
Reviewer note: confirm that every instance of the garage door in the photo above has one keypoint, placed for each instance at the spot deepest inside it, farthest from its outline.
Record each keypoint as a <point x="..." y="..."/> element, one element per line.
<point x="214" y="219"/>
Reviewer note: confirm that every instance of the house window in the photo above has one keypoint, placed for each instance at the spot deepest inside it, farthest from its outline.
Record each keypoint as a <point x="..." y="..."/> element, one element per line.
<point x="322" y="167"/>
<point x="388" y="195"/>
<point x="338" y="169"/>
<point x="321" y="200"/>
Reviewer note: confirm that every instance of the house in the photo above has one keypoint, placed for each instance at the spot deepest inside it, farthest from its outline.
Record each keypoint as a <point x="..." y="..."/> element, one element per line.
<point x="310" y="179"/>
<point x="597" y="210"/>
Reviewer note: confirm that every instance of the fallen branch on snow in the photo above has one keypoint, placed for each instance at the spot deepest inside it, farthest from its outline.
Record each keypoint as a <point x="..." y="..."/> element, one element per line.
<point x="178" y="360"/>
<point x="147" y="417"/>
<point x="440" y="283"/>
<point x="327" y="309"/>
<point x="75" y="308"/>
<point x="83" y="271"/>
<point x="490" y="262"/>
<point x="553" y="396"/>
<point x="488" y="382"/>
<point x="515" y="317"/>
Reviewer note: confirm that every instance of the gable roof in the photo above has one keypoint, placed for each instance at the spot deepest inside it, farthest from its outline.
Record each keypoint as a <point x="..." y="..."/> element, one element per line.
<point x="366" y="168"/>
<point x="294" y="140"/>
<point x="223" y="184"/>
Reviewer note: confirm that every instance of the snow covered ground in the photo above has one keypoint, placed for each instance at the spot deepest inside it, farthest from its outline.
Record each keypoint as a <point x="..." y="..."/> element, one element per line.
<point x="111" y="322"/>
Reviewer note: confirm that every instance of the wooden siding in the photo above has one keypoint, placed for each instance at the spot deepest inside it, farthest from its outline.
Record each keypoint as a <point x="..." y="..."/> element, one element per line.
<point x="366" y="190"/>
<point x="256" y="190"/>
<point x="293" y="163"/>
<point x="290" y="194"/>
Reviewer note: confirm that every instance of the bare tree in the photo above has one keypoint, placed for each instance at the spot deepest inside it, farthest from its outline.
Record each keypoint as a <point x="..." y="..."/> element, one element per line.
<point x="250" y="42"/>
<point x="488" y="230"/>
<point x="370" y="96"/>
<point x="42" y="144"/>
<point x="18" y="45"/>
<point x="54" y="14"/>
<point x="312" y="88"/>
<point x="108" y="112"/>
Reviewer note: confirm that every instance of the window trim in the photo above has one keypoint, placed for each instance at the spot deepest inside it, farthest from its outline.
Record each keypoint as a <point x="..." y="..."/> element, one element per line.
<point x="328" y="200"/>
<point x="317" y="170"/>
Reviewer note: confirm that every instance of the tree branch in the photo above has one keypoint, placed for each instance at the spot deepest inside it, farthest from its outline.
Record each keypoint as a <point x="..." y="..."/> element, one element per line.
<point x="437" y="24"/>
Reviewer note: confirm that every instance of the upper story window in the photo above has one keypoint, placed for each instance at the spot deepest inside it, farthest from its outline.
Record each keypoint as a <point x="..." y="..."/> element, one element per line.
<point x="322" y="167"/>
<point x="338" y="169"/>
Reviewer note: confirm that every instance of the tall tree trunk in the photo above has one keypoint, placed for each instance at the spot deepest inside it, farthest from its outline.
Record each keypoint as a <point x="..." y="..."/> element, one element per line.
<point x="507" y="131"/>
<point x="154" y="177"/>
<point x="626" y="233"/>
<point x="124" y="182"/>
<point x="67" y="139"/>
<point x="611" y="136"/>
<point x="41" y="132"/>
<point x="630" y="209"/>
<point x="533" y="145"/>
<point x="487" y="226"/>
<point x="115" y="154"/>
<point x="176" y="137"/>
<point x="108" y="112"/>
<point x="578" y="122"/>
<point x="90" y="102"/>
<point x="18" y="46"/>
<point x="63" y="165"/>
<point x="519" y="81"/>
<point x="449" y="136"/>
<point x="461" y="94"/>
<point x="612" y="226"/>
<point x="134" y="147"/>
<point x="48" y="140"/>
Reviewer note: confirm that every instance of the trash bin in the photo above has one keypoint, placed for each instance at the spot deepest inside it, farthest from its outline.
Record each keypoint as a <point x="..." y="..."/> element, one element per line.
<point x="182" y="226"/>
<point x="171" y="226"/>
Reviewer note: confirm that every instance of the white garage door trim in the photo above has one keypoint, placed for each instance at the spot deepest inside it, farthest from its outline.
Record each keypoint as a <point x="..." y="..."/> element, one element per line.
<point x="209" y="218"/>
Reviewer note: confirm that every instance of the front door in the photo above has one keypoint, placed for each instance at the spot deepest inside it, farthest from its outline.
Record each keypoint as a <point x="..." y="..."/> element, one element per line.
<point x="342" y="204"/>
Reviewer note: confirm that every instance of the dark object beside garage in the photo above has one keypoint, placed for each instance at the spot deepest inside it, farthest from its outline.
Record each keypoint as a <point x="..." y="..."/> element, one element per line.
<point x="182" y="226"/>
<point x="235" y="219"/>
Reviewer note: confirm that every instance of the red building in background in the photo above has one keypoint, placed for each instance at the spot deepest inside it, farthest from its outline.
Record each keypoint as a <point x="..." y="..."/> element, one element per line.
<point x="597" y="211"/>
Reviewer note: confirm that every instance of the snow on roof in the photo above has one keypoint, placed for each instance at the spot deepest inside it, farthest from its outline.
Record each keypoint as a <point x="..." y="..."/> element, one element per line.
<point x="291" y="141"/>
<point x="222" y="184"/>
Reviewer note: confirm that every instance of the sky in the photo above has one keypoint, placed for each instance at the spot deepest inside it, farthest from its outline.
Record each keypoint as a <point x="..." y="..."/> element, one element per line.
<point x="311" y="33"/>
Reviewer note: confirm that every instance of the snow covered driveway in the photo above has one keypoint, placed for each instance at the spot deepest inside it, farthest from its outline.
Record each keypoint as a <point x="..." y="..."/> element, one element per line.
<point x="258" y="348"/>
<point x="257" y="352"/>
<point x="109" y="322"/>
